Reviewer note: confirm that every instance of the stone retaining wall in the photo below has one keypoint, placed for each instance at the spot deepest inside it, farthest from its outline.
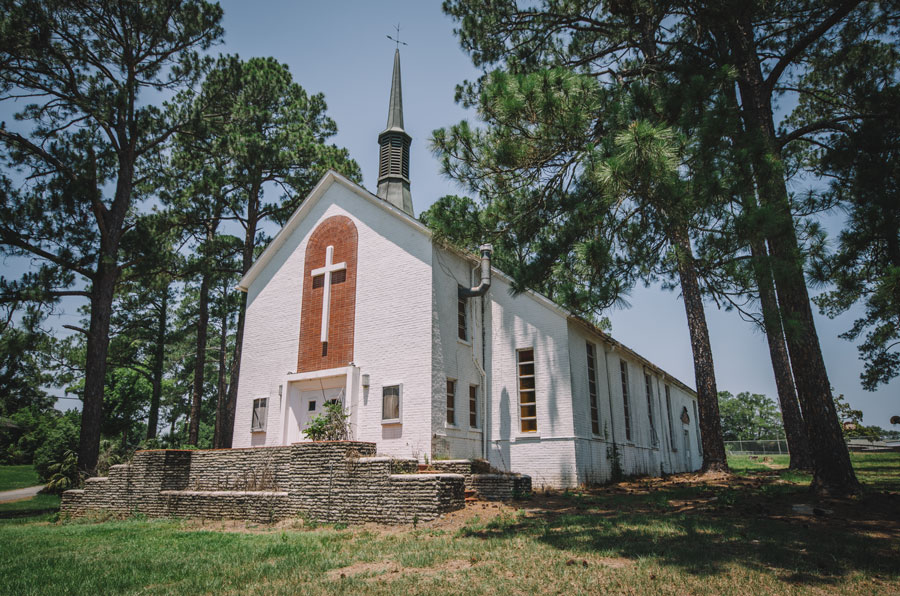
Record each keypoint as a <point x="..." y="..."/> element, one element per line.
<point x="329" y="481"/>
<point x="483" y="482"/>
<point x="501" y="487"/>
<point x="326" y="481"/>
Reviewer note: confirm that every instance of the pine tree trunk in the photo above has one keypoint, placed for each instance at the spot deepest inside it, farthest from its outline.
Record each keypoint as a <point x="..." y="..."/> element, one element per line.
<point x="231" y="402"/>
<point x="794" y="429"/>
<point x="102" y="289"/>
<point x="791" y="416"/>
<point x="158" y="363"/>
<point x="247" y="261"/>
<point x="714" y="458"/>
<point x="200" y="362"/>
<point x="172" y="425"/>
<point x="833" y="473"/>
<point x="221" y="387"/>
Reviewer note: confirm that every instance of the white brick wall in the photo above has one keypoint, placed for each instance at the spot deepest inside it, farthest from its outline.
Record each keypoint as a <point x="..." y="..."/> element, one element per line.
<point x="406" y="333"/>
<point x="392" y="333"/>
<point x="455" y="359"/>
<point x="548" y="455"/>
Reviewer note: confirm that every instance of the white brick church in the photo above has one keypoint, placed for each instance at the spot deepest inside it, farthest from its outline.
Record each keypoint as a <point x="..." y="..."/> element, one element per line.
<point x="431" y="355"/>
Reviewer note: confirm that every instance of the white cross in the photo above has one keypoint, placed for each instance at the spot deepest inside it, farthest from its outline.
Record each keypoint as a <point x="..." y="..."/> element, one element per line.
<point x="327" y="270"/>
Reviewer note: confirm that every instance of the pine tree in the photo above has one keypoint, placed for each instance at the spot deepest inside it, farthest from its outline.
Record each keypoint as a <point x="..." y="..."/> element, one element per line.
<point x="87" y="70"/>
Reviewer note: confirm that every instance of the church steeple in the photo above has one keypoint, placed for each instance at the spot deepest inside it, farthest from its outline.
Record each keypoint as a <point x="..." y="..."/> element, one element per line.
<point x="393" y="158"/>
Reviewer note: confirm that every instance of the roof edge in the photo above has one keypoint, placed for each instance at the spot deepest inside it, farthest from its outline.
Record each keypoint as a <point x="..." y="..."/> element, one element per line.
<point x="325" y="182"/>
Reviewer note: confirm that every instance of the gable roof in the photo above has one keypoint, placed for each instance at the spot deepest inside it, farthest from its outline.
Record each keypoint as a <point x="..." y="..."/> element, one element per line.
<point x="332" y="177"/>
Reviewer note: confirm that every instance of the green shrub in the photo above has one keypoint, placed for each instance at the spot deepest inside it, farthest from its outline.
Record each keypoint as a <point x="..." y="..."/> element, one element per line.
<point x="331" y="425"/>
<point x="64" y="474"/>
<point x="58" y="434"/>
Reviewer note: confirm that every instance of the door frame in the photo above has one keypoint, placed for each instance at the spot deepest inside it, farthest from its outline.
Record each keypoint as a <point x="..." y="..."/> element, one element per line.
<point x="346" y="378"/>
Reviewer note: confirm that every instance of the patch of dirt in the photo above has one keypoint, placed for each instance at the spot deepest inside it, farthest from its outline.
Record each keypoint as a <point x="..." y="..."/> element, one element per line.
<point x="378" y="567"/>
<point x="613" y="562"/>
<point x="481" y="511"/>
<point x="389" y="570"/>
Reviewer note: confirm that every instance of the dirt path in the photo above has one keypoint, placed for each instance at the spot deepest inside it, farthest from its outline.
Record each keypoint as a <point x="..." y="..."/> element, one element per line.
<point x="19" y="493"/>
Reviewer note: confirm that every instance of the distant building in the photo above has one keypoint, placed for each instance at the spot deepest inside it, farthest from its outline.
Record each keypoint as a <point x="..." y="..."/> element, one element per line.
<point x="354" y="301"/>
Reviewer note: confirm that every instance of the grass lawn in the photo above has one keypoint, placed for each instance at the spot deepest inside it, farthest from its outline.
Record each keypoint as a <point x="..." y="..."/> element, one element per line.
<point x="39" y="504"/>
<point x="680" y="535"/>
<point x="12" y="477"/>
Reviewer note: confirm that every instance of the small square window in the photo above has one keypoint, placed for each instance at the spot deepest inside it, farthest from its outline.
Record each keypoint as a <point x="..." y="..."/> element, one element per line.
<point x="390" y="403"/>
<point x="258" y="420"/>
<point x="312" y="405"/>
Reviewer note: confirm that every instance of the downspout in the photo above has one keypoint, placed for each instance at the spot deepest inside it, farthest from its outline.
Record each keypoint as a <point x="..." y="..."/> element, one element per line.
<point x="479" y="291"/>
<point x="482" y="288"/>
<point x="483" y="374"/>
<point x="484" y="387"/>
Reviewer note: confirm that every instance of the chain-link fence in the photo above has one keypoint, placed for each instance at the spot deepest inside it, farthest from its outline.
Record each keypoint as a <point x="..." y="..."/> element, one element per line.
<point x="760" y="447"/>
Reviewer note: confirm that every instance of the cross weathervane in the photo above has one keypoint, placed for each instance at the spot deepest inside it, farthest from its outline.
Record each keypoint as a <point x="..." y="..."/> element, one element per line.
<point x="397" y="41"/>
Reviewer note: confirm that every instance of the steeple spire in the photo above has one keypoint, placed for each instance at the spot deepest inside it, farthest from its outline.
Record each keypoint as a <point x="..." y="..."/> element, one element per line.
<point x="393" y="162"/>
<point x="395" y="108"/>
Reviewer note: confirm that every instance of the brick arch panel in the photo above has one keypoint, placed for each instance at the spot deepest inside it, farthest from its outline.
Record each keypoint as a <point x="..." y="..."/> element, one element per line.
<point x="340" y="232"/>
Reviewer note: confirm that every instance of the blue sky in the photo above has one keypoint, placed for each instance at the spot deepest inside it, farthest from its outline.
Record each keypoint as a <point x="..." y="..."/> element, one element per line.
<point x="339" y="48"/>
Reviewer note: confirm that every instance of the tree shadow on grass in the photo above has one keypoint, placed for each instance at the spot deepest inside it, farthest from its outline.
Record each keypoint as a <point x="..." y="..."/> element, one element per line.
<point x="706" y="536"/>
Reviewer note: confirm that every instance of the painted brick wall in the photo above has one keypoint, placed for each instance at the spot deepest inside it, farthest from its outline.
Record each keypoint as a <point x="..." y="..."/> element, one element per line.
<point x="339" y="232"/>
<point x="548" y="456"/>
<point x="393" y="327"/>
<point x="392" y="334"/>
<point x="456" y="359"/>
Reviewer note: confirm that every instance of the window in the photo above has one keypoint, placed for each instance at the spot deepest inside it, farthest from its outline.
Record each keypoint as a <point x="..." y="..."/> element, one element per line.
<point x="592" y="387"/>
<point x="451" y="401"/>
<point x="669" y="412"/>
<point x="258" y="421"/>
<point x="462" y="319"/>
<point x="623" y="366"/>
<point x="390" y="403"/>
<point x="527" y="404"/>
<point x="473" y="406"/>
<point x="648" y="383"/>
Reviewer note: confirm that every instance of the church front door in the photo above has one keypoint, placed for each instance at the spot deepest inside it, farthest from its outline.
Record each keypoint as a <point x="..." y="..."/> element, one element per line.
<point x="307" y="404"/>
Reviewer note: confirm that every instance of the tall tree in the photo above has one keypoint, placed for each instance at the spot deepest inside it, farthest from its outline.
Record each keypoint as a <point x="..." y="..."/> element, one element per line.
<point x="569" y="136"/>
<point x="591" y="210"/>
<point x="733" y="278"/>
<point x="770" y="47"/>
<point x="90" y="68"/>
<point x="271" y="137"/>
<point x="864" y="166"/>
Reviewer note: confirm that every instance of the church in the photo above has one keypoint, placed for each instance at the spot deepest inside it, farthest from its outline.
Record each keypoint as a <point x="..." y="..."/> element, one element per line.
<point x="430" y="354"/>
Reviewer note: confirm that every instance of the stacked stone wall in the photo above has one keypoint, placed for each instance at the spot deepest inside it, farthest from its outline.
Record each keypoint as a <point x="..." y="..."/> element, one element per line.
<point x="252" y="469"/>
<point x="484" y="482"/>
<point x="339" y="481"/>
<point x="500" y="487"/>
